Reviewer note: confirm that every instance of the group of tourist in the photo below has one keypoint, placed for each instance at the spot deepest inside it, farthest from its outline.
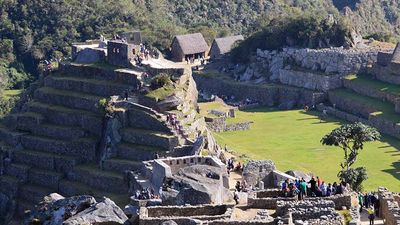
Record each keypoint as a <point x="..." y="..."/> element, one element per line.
<point x="371" y="202"/>
<point x="146" y="194"/>
<point x="313" y="188"/>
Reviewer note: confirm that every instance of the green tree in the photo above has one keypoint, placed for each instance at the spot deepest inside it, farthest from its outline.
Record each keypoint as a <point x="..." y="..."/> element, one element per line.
<point x="351" y="138"/>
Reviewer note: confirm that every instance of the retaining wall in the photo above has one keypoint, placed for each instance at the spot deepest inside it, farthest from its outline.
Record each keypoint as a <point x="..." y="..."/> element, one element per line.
<point x="310" y="80"/>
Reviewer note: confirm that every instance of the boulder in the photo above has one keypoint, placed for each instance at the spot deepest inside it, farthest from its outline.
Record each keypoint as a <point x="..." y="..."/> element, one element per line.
<point x="198" y="184"/>
<point x="257" y="170"/>
<point x="55" y="208"/>
<point x="104" y="213"/>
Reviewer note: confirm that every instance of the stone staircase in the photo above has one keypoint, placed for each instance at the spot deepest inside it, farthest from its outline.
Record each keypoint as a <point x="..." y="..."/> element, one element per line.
<point x="52" y="145"/>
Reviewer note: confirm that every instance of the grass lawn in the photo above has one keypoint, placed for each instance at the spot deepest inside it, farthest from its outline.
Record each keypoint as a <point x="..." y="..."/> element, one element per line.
<point x="292" y="140"/>
<point x="11" y="93"/>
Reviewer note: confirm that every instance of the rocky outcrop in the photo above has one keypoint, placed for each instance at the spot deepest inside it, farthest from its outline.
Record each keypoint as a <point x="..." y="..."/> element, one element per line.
<point x="327" y="61"/>
<point x="105" y="213"/>
<point x="200" y="184"/>
<point x="57" y="210"/>
<point x="255" y="171"/>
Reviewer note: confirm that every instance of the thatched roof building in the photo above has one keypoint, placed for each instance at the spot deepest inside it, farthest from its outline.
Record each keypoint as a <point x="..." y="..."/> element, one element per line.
<point x="221" y="46"/>
<point x="189" y="46"/>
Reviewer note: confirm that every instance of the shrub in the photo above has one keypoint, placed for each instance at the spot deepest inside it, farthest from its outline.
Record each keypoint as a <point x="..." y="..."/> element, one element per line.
<point x="160" y="80"/>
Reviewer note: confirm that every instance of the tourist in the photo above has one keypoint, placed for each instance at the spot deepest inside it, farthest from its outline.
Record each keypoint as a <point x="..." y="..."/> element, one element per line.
<point x="334" y="187"/>
<point x="306" y="108"/>
<point x="318" y="181"/>
<point x="303" y="188"/>
<point x="238" y="167"/>
<point x="376" y="207"/>
<point x="238" y="186"/>
<point x="361" y="201"/>
<point x="329" y="190"/>
<point x="366" y="200"/>
<point x="371" y="215"/>
<point x="126" y="94"/>
<point x="313" y="184"/>
<point x="236" y="196"/>
<point x="323" y="188"/>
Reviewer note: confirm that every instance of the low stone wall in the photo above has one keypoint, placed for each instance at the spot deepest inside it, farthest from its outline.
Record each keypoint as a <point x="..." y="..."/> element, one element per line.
<point x="242" y="222"/>
<point x="340" y="201"/>
<point x="310" y="80"/>
<point x="265" y="95"/>
<point x="389" y="208"/>
<point x="183" y="215"/>
<point x="384" y="58"/>
<point x="219" y="125"/>
<point x="385" y="74"/>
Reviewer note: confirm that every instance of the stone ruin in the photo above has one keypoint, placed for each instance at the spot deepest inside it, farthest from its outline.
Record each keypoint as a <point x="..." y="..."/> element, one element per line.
<point x="389" y="206"/>
<point x="310" y="212"/>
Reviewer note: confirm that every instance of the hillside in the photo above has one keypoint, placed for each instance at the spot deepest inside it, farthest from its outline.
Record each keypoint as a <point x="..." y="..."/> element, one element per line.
<point x="41" y="30"/>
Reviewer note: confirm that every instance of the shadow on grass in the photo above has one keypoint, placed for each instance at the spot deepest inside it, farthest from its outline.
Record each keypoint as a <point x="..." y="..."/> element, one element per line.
<point x="395" y="172"/>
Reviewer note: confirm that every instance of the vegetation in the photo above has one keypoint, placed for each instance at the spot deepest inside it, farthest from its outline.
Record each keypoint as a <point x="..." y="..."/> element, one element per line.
<point x="351" y="139"/>
<point x="303" y="30"/>
<point x="291" y="140"/>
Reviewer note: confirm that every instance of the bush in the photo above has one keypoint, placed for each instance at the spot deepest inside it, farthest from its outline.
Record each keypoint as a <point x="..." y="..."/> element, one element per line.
<point x="354" y="177"/>
<point x="160" y="81"/>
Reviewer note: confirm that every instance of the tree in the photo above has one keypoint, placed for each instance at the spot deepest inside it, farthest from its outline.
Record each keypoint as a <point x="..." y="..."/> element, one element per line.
<point x="351" y="138"/>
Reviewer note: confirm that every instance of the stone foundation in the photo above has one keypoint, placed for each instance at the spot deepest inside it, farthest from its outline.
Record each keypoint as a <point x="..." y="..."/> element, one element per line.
<point x="389" y="208"/>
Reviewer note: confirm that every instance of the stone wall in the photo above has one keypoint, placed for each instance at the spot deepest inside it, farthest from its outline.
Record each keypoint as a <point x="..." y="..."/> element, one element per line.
<point x="219" y="125"/>
<point x="310" y="80"/>
<point x="265" y="95"/>
<point x="389" y="207"/>
<point x="319" y="210"/>
<point x="182" y="215"/>
<point x="328" y="61"/>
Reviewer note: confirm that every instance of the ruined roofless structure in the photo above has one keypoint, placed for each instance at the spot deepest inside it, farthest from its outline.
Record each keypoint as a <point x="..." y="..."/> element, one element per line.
<point x="396" y="54"/>
<point x="189" y="46"/>
<point x="222" y="46"/>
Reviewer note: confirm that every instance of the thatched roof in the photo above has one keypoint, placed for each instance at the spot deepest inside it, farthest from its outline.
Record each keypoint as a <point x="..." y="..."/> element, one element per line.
<point x="192" y="43"/>
<point x="225" y="44"/>
<point x="396" y="54"/>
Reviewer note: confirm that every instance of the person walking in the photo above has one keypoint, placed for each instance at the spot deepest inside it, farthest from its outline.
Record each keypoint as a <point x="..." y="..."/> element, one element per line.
<point x="361" y="201"/>
<point x="303" y="189"/>
<point x="371" y="215"/>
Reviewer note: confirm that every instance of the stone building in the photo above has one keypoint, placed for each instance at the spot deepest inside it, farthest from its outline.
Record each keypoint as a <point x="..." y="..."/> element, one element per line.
<point x="222" y="46"/>
<point x="189" y="46"/>
<point x="120" y="53"/>
<point x="132" y="37"/>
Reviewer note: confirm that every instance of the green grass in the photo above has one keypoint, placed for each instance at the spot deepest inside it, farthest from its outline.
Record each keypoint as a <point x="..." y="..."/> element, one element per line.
<point x="292" y="140"/>
<point x="7" y="94"/>
<point x="161" y="93"/>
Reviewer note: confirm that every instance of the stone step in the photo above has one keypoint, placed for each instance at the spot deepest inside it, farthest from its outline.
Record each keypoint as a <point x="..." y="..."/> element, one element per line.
<point x="20" y="171"/>
<point x="45" y="178"/>
<point x="121" y="165"/>
<point x="34" y="193"/>
<point x="47" y="161"/>
<point x="99" y="72"/>
<point x="102" y="180"/>
<point x="62" y="132"/>
<point x="10" y="137"/>
<point x="59" y="115"/>
<point x="149" y="137"/>
<point x="83" y="147"/>
<point x="70" y="188"/>
<point x="138" y="152"/>
<point x="27" y="119"/>
<point x="9" y="185"/>
<point x="141" y="119"/>
<point x="368" y="86"/>
<point x="363" y="106"/>
<point x="76" y="100"/>
<point x="104" y="88"/>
